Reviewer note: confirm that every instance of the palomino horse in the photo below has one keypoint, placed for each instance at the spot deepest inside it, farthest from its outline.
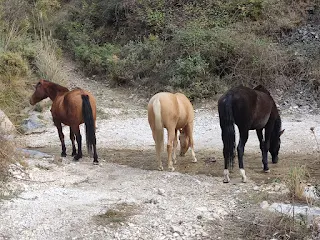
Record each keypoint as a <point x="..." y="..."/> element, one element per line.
<point x="249" y="109"/>
<point x="71" y="108"/>
<point x="173" y="112"/>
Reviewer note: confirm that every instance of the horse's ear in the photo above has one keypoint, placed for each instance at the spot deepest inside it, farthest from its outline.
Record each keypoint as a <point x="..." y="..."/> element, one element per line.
<point x="281" y="132"/>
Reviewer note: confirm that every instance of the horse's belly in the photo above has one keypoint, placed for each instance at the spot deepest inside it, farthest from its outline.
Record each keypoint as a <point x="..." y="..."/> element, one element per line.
<point x="259" y="124"/>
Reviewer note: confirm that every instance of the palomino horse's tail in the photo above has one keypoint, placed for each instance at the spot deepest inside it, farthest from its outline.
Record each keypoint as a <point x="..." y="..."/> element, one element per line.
<point x="227" y="130"/>
<point x="89" y="123"/>
<point x="158" y="124"/>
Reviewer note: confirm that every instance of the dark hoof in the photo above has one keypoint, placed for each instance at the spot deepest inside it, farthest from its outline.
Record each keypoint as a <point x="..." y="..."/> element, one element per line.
<point x="73" y="154"/>
<point x="77" y="157"/>
<point x="275" y="160"/>
<point x="63" y="154"/>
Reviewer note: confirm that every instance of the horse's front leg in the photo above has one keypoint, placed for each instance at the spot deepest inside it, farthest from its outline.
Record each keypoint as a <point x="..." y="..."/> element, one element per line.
<point x="266" y="146"/>
<point x="262" y="148"/>
<point x="76" y="131"/>
<point x="240" y="149"/>
<point x="74" y="150"/>
<point x="61" y="136"/>
<point x="189" y="132"/>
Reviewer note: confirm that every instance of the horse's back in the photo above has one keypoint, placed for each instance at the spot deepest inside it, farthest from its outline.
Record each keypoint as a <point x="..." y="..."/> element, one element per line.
<point x="168" y="103"/>
<point x="175" y="109"/>
<point x="251" y="108"/>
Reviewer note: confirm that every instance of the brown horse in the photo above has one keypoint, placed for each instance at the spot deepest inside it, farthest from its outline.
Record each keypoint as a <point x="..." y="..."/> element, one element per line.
<point x="71" y="108"/>
<point x="173" y="112"/>
<point x="249" y="109"/>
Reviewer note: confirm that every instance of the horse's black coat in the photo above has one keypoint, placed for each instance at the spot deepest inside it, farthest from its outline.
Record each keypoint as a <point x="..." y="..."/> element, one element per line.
<point x="249" y="109"/>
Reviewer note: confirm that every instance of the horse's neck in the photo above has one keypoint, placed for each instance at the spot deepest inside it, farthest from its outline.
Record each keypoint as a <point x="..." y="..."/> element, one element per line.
<point x="55" y="90"/>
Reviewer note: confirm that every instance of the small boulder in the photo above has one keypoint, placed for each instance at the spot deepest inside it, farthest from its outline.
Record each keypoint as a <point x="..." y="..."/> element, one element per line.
<point x="6" y="126"/>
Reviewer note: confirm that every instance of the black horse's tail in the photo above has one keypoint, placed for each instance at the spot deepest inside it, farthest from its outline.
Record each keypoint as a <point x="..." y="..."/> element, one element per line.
<point x="89" y="123"/>
<point x="227" y="129"/>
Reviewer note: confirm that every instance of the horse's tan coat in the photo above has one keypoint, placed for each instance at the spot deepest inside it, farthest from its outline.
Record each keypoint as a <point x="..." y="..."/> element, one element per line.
<point x="173" y="112"/>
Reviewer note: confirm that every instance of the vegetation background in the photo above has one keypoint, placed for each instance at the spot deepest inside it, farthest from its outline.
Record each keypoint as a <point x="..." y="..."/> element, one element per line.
<point x="198" y="47"/>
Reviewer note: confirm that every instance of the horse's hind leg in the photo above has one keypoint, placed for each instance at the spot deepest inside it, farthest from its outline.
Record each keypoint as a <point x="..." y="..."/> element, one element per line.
<point x="175" y="144"/>
<point x="61" y="136"/>
<point x="74" y="150"/>
<point x="159" y="146"/>
<point x="171" y="135"/>
<point x="76" y="131"/>
<point x="240" y="150"/>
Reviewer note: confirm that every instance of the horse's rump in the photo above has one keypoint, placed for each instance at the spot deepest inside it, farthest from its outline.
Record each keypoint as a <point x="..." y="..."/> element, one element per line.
<point x="72" y="106"/>
<point x="173" y="112"/>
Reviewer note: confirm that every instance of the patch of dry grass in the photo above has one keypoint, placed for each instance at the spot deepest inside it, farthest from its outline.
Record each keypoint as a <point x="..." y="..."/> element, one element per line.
<point x="294" y="181"/>
<point x="6" y="158"/>
<point x="47" y="61"/>
<point x="275" y="226"/>
<point x="118" y="214"/>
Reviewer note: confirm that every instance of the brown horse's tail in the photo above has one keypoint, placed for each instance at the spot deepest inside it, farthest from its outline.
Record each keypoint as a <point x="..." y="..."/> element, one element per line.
<point x="158" y="124"/>
<point x="89" y="123"/>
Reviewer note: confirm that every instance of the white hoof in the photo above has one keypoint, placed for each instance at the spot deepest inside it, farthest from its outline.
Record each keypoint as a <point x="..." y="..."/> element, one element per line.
<point x="171" y="169"/>
<point x="244" y="179"/>
<point x="226" y="178"/>
<point x="243" y="175"/>
<point x="160" y="168"/>
<point x="194" y="160"/>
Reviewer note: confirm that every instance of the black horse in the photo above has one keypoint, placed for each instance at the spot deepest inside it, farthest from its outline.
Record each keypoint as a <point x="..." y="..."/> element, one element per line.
<point x="249" y="109"/>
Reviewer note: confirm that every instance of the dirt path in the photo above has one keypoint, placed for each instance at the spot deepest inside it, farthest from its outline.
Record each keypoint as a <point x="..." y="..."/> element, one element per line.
<point x="124" y="197"/>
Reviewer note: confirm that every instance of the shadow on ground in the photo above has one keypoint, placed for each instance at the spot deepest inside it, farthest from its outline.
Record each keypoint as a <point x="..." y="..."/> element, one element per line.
<point x="209" y="164"/>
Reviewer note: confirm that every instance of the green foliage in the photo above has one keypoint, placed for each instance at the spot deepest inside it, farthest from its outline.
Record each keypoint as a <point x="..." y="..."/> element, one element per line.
<point x="252" y="9"/>
<point x="12" y="66"/>
<point x="198" y="47"/>
<point x="96" y="59"/>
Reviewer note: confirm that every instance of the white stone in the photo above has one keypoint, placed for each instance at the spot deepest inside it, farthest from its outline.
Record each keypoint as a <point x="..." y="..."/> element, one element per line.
<point x="161" y="191"/>
<point x="264" y="205"/>
<point x="6" y="126"/>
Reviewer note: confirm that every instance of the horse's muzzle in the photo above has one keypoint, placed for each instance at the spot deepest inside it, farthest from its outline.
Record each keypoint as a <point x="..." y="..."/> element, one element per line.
<point x="32" y="102"/>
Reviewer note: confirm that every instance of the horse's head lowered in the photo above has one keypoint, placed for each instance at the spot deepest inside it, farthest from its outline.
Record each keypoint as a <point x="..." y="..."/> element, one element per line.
<point x="275" y="141"/>
<point x="184" y="142"/>
<point x="40" y="93"/>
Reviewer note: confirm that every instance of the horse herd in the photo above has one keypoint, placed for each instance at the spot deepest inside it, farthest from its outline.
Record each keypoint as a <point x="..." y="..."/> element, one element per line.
<point x="249" y="109"/>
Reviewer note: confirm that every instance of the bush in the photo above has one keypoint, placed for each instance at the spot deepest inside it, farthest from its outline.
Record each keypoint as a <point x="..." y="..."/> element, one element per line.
<point x="198" y="47"/>
<point x="96" y="59"/>
<point x="12" y="67"/>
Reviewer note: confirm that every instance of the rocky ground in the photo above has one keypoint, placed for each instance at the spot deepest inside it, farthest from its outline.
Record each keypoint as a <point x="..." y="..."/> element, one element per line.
<point x="125" y="197"/>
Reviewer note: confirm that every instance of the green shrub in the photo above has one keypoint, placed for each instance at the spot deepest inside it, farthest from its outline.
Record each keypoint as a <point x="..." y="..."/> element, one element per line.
<point x="12" y="66"/>
<point x="96" y="59"/>
<point x="138" y="60"/>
